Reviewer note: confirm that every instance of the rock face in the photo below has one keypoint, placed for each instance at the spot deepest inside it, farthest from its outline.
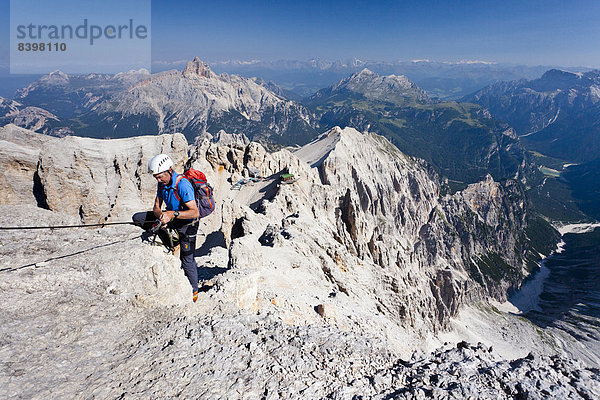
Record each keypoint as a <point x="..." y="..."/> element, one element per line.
<point x="193" y="101"/>
<point x="19" y="158"/>
<point x="94" y="179"/>
<point x="367" y="213"/>
<point x="313" y="289"/>
<point x="103" y="179"/>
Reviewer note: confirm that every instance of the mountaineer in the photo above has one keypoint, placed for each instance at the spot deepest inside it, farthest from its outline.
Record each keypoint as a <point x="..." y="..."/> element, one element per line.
<point x="187" y="198"/>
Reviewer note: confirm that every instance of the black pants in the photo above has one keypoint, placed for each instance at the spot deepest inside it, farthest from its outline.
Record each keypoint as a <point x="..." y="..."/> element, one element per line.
<point x="187" y="242"/>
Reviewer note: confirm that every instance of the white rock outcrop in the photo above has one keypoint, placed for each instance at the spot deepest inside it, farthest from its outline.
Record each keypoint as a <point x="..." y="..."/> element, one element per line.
<point x="318" y="288"/>
<point x="365" y="219"/>
<point x="101" y="179"/>
<point x="95" y="179"/>
<point x="19" y="158"/>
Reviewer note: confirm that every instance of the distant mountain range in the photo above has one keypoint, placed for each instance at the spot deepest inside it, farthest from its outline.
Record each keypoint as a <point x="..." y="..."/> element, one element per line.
<point x="557" y="115"/>
<point x="460" y="140"/>
<point x="192" y="101"/>
<point x="443" y="80"/>
<point x="558" y="119"/>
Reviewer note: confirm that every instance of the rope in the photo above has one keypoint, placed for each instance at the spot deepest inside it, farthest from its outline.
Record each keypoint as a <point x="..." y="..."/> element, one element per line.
<point x="8" y="269"/>
<point x="7" y="228"/>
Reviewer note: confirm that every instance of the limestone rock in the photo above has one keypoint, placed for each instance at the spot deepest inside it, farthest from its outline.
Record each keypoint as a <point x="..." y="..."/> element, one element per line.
<point x="19" y="157"/>
<point x="100" y="179"/>
<point x="363" y="235"/>
<point x="370" y="220"/>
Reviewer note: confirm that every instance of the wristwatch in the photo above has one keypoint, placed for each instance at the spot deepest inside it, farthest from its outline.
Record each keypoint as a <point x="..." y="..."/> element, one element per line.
<point x="176" y="214"/>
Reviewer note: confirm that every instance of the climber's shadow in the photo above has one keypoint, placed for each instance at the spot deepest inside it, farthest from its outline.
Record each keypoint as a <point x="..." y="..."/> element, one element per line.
<point x="213" y="239"/>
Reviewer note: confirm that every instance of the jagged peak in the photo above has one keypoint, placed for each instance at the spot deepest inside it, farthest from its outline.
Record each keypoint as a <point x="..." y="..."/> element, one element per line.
<point x="366" y="72"/>
<point x="197" y="67"/>
<point x="394" y="88"/>
<point x="558" y="73"/>
<point x="55" y="76"/>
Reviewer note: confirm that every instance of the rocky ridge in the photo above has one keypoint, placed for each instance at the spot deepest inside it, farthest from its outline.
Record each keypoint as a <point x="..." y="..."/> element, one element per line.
<point x="192" y="101"/>
<point x="368" y="213"/>
<point x="311" y="289"/>
<point x="93" y="179"/>
<point x="391" y="88"/>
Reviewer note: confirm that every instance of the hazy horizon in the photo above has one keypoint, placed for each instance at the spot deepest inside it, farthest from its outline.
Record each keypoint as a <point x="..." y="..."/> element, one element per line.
<point x="532" y="33"/>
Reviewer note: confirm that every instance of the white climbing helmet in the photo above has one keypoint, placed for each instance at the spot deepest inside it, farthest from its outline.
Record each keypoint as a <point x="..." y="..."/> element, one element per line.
<point x="160" y="163"/>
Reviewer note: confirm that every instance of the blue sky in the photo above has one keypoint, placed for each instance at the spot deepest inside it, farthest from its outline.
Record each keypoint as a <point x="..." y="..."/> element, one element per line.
<point x="529" y="32"/>
<point x="524" y="32"/>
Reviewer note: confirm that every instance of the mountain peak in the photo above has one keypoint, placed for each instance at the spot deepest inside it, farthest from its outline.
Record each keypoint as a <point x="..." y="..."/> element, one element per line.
<point x="366" y="71"/>
<point x="392" y="88"/>
<point x="364" y="74"/>
<point x="56" y="77"/>
<point x="197" y="67"/>
<point x="558" y="74"/>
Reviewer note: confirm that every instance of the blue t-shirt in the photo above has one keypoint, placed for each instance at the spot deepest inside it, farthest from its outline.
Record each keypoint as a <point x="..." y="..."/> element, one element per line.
<point x="167" y="193"/>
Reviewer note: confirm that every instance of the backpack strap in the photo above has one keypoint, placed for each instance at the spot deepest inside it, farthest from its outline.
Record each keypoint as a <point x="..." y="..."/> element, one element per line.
<point x="179" y="178"/>
<point x="205" y="188"/>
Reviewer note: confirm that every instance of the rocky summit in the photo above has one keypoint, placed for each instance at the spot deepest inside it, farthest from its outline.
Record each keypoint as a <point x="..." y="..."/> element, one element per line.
<point x="193" y="101"/>
<point x="392" y="88"/>
<point x="356" y="278"/>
